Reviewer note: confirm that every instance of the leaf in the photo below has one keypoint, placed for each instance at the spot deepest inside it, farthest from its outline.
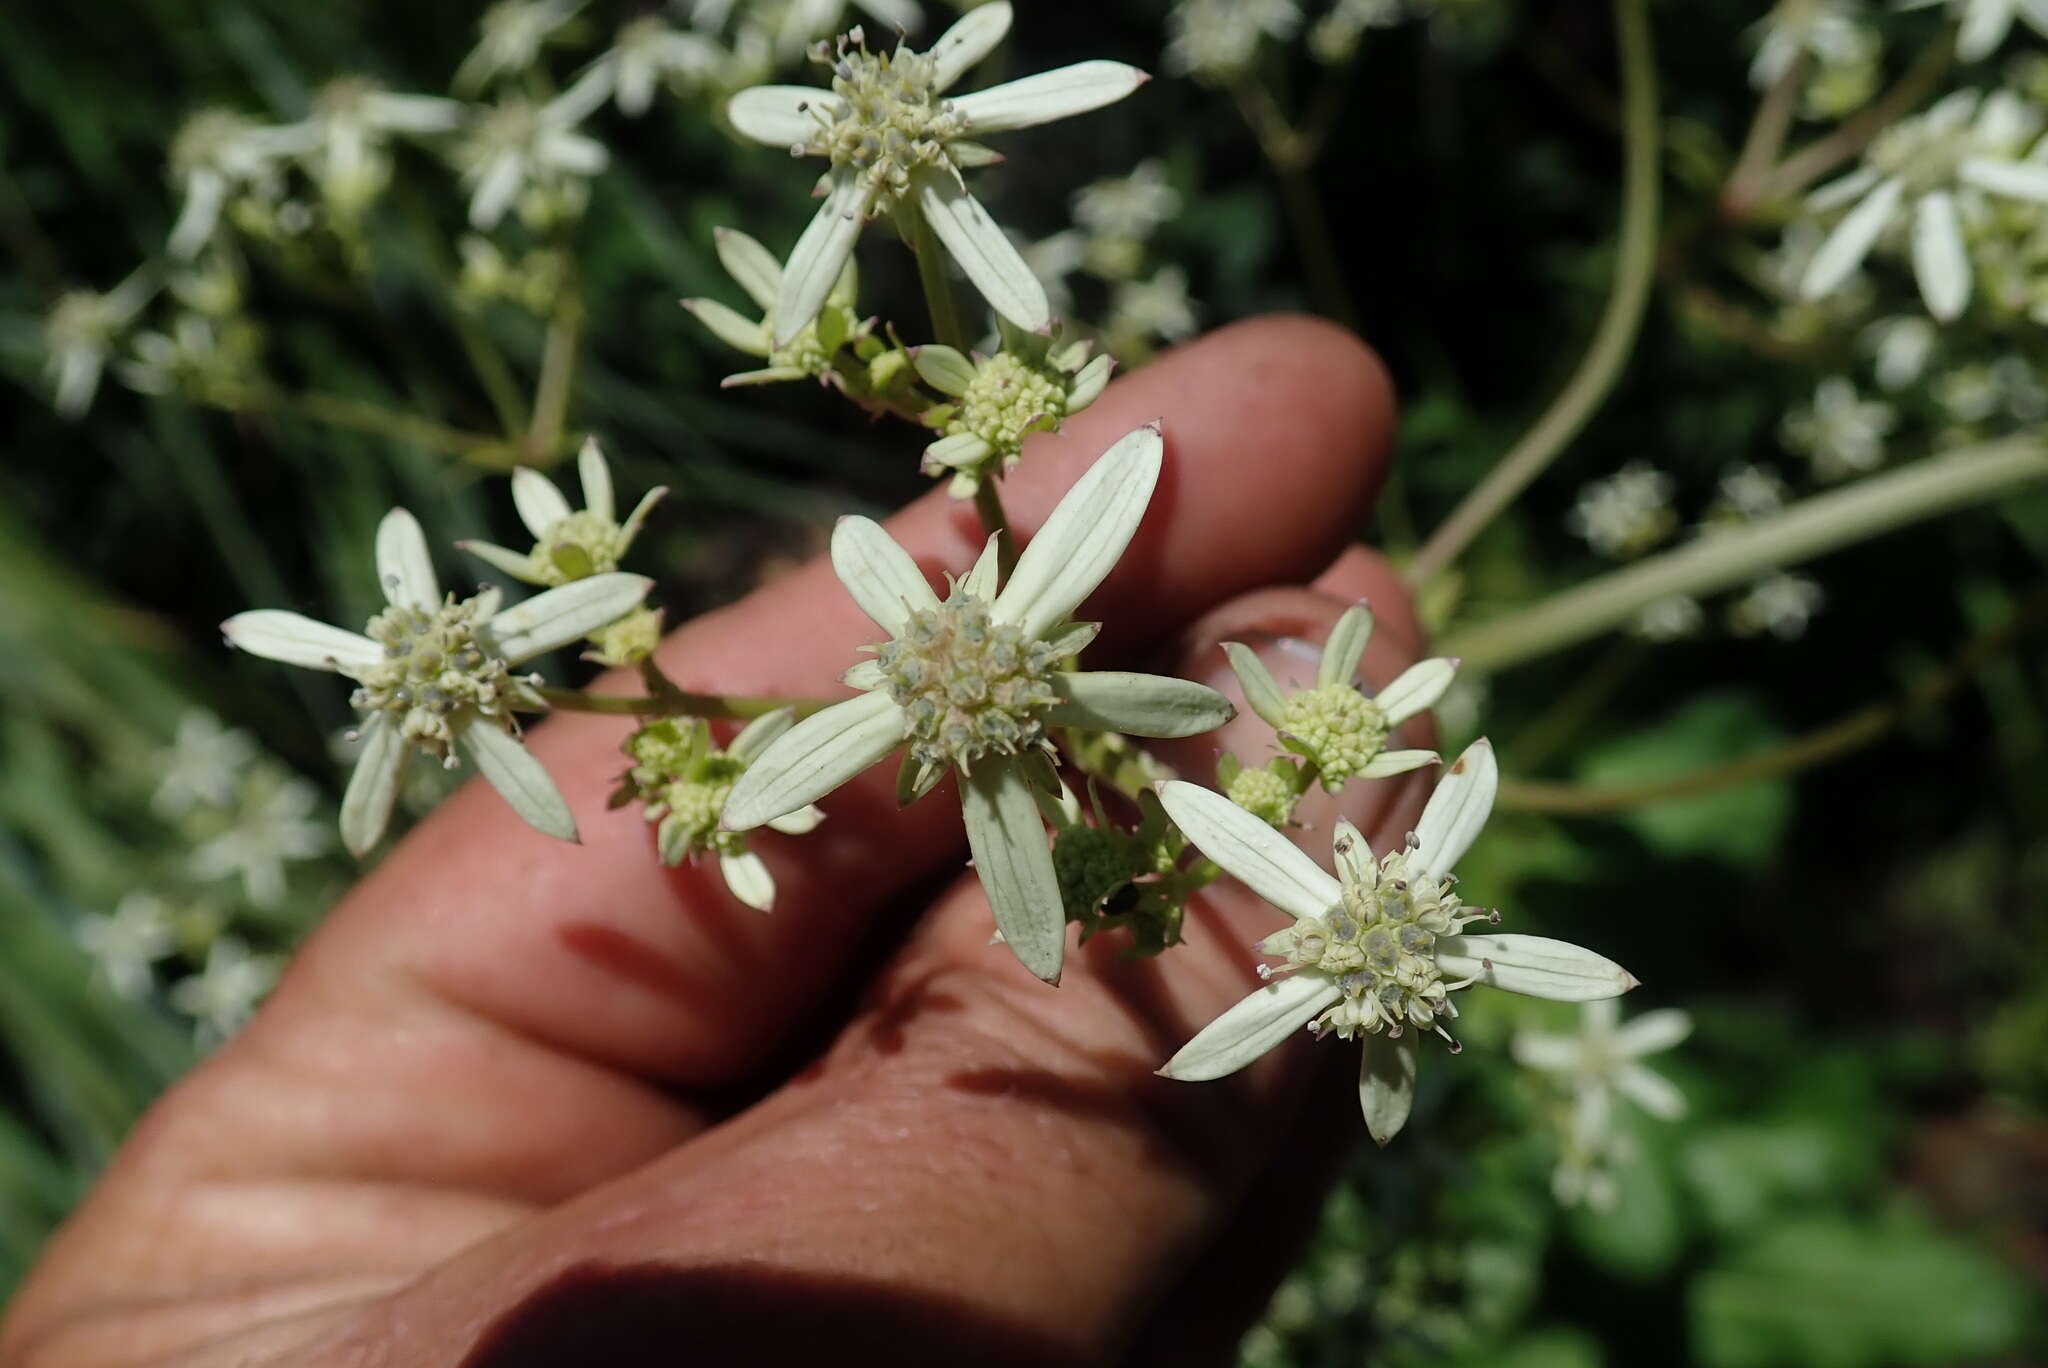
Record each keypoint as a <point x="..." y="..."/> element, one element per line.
<point x="1741" y="824"/>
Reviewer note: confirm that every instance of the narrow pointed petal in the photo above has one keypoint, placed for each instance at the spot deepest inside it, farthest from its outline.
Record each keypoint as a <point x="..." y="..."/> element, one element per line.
<point x="1014" y="863"/>
<point x="748" y="879"/>
<point x="1983" y="28"/>
<point x="816" y="260"/>
<point x="1049" y="95"/>
<point x="802" y="821"/>
<point x="1137" y="704"/>
<point x="1261" y="858"/>
<point x="1542" y="1050"/>
<point x="540" y="505"/>
<point x="1653" y="1092"/>
<point x="1259" y="689"/>
<point x="1355" y="864"/>
<point x="1080" y="542"/>
<point x="373" y="786"/>
<point x="1416" y="689"/>
<point x="980" y="582"/>
<point x="1386" y="1084"/>
<point x="519" y="778"/>
<point x="1457" y="811"/>
<point x="404" y="567"/>
<point x="1941" y="259"/>
<point x="758" y="734"/>
<point x="986" y="256"/>
<point x="296" y="639"/>
<point x="2027" y="180"/>
<point x="752" y="266"/>
<point x="1346" y="647"/>
<point x="1653" y="1031"/>
<point x="1844" y="190"/>
<point x="516" y="564"/>
<point x="596" y="478"/>
<point x="1255" y="1025"/>
<point x="779" y="115"/>
<point x="731" y="327"/>
<point x="814" y="757"/>
<point x="880" y="575"/>
<point x="944" y="369"/>
<point x="637" y="519"/>
<point x="866" y="674"/>
<point x="971" y="38"/>
<point x="1844" y="249"/>
<point x="1535" y="965"/>
<point x="1387" y="764"/>
<point x="565" y="614"/>
<point x="957" y="452"/>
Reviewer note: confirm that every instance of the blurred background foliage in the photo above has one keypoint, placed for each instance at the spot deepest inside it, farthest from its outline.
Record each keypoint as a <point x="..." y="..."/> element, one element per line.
<point x="1863" y="1178"/>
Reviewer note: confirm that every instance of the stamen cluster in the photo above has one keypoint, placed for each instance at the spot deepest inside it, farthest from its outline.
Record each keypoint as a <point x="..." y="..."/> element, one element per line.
<point x="1379" y="945"/>
<point x="684" y="781"/>
<point x="968" y="685"/>
<point x="1008" y="400"/>
<point x="436" y="673"/>
<point x="889" y="120"/>
<point x="1337" y="727"/>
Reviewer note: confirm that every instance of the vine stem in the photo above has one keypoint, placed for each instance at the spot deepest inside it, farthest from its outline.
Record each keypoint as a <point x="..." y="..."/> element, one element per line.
<point x="678" y="703"/>
<point x="557" y="379"/>
<point x="1839" y="738"/>
<point x="361" y="415"/>
<point x="1766" y="139"/>
<point x="1612" y="340"/>
<point x="1816" y="159"/>
<point x="1809" y="528"/>
<point x="995" y="522"/>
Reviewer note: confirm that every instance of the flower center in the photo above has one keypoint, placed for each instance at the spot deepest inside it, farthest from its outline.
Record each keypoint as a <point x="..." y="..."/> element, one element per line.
<point x="1379" y="945"/>
<point x="577" y="547"/>
<point x="888" y="119"/>
<point x="435" y="674"/>
<point x="1008" y="400"/>
<point x="1264" y="794"/>
<point x="1337" y="726"/>
<point x="969" y="685"/>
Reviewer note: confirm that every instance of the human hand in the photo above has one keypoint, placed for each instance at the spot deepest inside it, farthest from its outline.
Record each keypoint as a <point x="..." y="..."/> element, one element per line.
<point x="519" y="1102"/>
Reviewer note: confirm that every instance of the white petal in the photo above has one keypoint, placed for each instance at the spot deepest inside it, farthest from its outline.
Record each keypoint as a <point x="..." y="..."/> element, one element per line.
<point x="565" y="614"/>
<point x="404" y="567"/>
<point x="1014" y="863"/>
<point x="373" y="787"/>
<point x="1048" y="96"/>
<point x="798" y="823"/>
<point x="205" y="192"/>
<point x="1416" y="689"/>
<point x="1845" y="189"/>
<point x="816" y="260"/>
<point x="780" y="115"/>
<point x="635" y="520"/>
<point x="1457" y="811"/>
<point x="520" y="779"/>
<point x="2035" y="13"/>
<point x="514" y="563"/>
<point x="1080" y="542"/>
<point x="1653" y="1092"/>
<point x="1535" y="965"/>
<point x="1845" y="247"/>
<point x="731" y="327"/>
<point x="539" y="503"/>
<point x="750" y="264"/>
<point x="495" y="190"/>
<point x="295" y="639"/>
<point x="1253" y="1026"/>
<point x="1257" y="682"/>
<point x="1261" y="858"/>
<point x="1985" y="24"/>
<point x="758" y="734"/>
<point x="747" y="876"/>
<point x="1387" y="764"/>
<point x="596" y="477"/>
<point x="1941" y="259"/>
<point x="866" y="674"/>
<point x="984" y="252"/>
<point x="971" y="38"/>
<point x="1138" y="704"/>
<point x="814" y="757"/>
<point x="944" y="369"/>
<point x="880" y="575"/>
<point x="1653" y="1031"/>
<point x="1386" y="1084"/>
<point x="960" y="451"/>
<point x="2027" y="180"/>
<point x="1089" y="384"/>
<point x="980" y="582"/>
<point x="1345" y="647"/>
<point x="1355" y="864"/>
<point x="1542" y="1050"/>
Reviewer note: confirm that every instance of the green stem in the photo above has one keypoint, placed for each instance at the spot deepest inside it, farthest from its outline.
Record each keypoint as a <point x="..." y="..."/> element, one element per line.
<point x="679" y="703"/>
<point x="1609" y="351"/>
<point x="1580" y="702"/>
<point x="1291" y="152"/>
<point x="1809" y="528"/>
<point x="362" y="415"/>
<point x="938" y="291"/>
<point x="995" y="522"/>
<point x="1831" y="742"/>
<point x="557" y="377"/>
<point x="1765" y="141"/>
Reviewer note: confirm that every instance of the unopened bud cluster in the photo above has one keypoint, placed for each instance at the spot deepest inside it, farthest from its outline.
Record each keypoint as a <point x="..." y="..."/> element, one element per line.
<point x="436" y="672"/>
<point x="1009" y="400"/>
<point x="1264" y="794"/>
<point x="683" y="779"/>
<point x="1337" y="727"/>
<point x="969" y="685"/>
<point x="1379" y="945"/>
<point x="890" y="119"/>
<point x="577" y="547"/>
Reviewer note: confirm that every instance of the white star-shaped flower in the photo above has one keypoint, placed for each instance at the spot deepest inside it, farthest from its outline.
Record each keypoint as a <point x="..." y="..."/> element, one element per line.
<point x="517" y="144"/>
<point x="648" y="51"/>
<point x="124" y="943"/>
<point x="510" y="36"/>
<point x="1982" y="25"/>
<point x="1377" y="951"/>
<point x="897" y="146"/>
<point x="1602" y="1061"/>
<point x="973" y="682"/>
<point x="568" y="545"/>
<point x="204" y="765"/>
<point x="1842" y="433"/>
<point x="435" y="673"/>
<point x="272" y="827"/>
<point x="80" y="334"/>
<point x="225" y="993"/>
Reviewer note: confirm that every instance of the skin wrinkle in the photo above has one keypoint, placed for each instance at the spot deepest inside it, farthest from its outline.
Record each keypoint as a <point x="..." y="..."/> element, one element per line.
<point x="472" y="907"/>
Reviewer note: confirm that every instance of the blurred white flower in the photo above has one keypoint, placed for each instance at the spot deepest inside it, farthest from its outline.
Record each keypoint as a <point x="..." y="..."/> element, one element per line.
<point x="1159" y="307"/>
<point x="647" y="52"/>
<point x="1983" y="24"/>
<point x="1840" y="432"/>
<point x="204" y="765"/>
<point x="1671" y="618"/>
<point x="226" y="992"/>
<point x="125" y="943"/>
<point x="1052" y="259"/>
<point x="1217" y="40"/>
<point x="1780" y="604"/>
<point x="1335" y="36"/>
<point x="517" y="146"/>
<point x="1596" y="1066"/>
<point x="343" y="142"/>
<point x="1901" y="346"/>
<point x="273" y="825"/>
<point x="1749" y="492"/>
<point x="216" y="154"/>
<point x="1842" y="48"/>
<point x="1129" y="206"/>
<point x="80" y="334"/>
<point x="511" y="35"/>
<point x="1626" y="513"/>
